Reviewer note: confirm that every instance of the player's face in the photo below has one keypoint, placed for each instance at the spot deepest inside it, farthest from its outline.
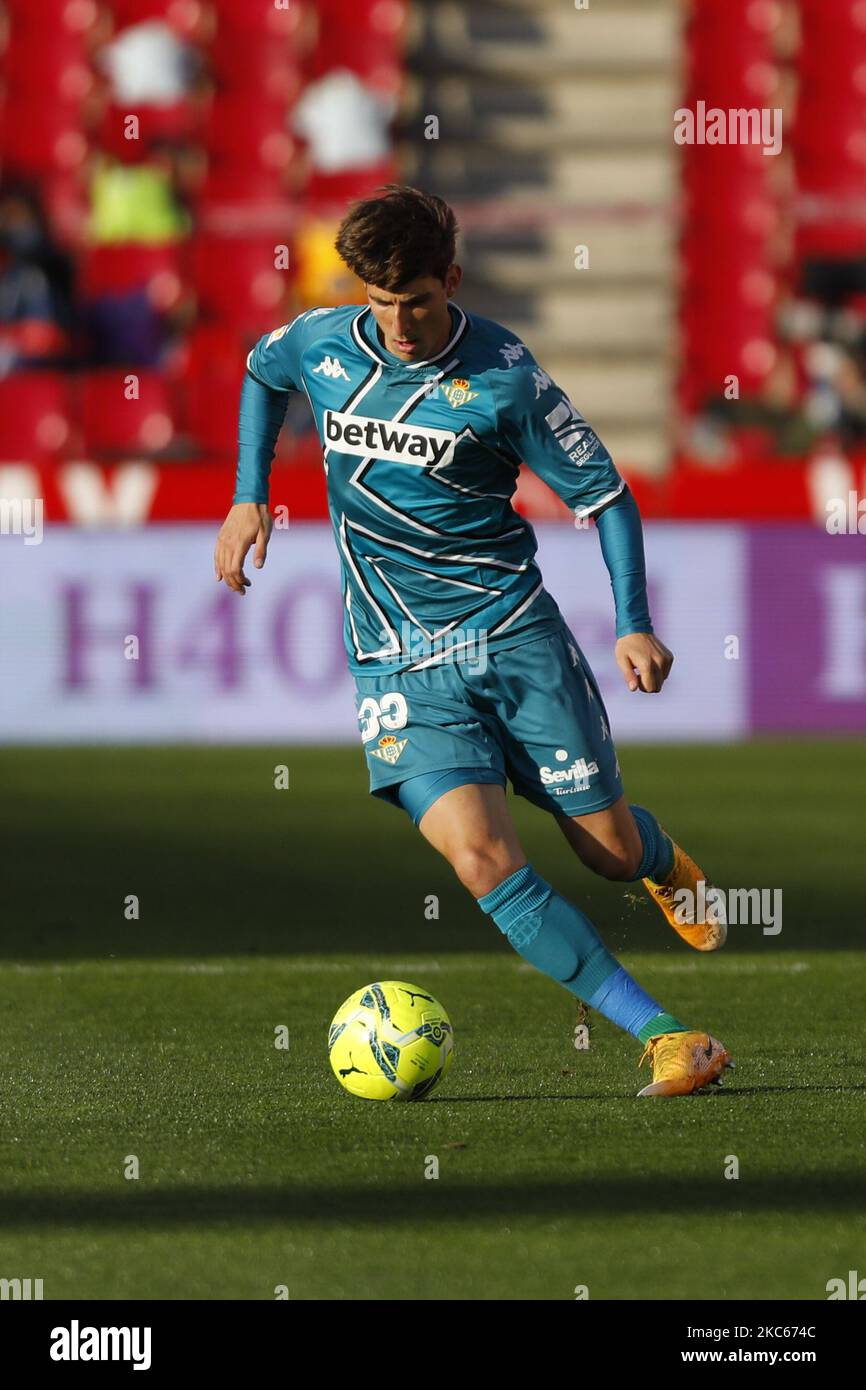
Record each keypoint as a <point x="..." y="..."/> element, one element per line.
<point x="414" y="322"/>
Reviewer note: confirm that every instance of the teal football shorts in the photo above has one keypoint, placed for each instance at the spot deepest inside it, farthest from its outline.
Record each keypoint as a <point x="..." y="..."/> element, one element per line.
<point x="532" y="714"/>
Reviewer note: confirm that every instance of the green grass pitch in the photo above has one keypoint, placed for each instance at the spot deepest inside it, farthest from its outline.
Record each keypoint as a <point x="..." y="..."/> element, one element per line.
<point x="155" y="1038"/>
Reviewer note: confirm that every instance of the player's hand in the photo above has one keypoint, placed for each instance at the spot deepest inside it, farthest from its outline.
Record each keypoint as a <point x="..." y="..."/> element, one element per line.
<point x="248" y="523"/>
<point x="645" y="662"/>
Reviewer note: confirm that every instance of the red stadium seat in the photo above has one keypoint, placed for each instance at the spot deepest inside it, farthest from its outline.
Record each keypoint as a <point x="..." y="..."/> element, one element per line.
<point x="130" y="265"/>
<point x="329" y="193"/>
<point x="186" y="16"/>
<point x="362" y="35"/>
<point x="43" y="138"/>
<point x="48" y="72"/>
<point x="248" y="130"/>
<point x="64" y="198"/>
<point x="38" y="414"/>
<point x="52" y="22"/>
<point x="213" y="375"/>
<point x="251" y="62"/>
<point x="180" y="121"/>
<point x="835" y="33"/>
<point x="728" y="283"/>
<point x="241" y="191"/>
<point x="830" y="132"/>
<point x="246" y="16"/>
<point x="250" y="151"/>
<point x="118" y="422"/>
<point x="237" y="282"/>
<point x="258" y="54"/>
<point x="48" y="61"/>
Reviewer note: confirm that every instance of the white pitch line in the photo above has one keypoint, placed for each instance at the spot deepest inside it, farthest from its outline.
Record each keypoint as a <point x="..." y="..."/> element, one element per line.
<point x="733" y="967"/>
<point x="378" y="964"/>
<point x="722" y="967"/>
<point x="146" y="967"/>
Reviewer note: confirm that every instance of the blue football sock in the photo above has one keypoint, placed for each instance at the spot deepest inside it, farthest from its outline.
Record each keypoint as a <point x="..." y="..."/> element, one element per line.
<point x="558" y="939"/>
<point x="658" y="848"/>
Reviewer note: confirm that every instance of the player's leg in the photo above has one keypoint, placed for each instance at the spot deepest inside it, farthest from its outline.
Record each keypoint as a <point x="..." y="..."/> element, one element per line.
<point x="626" y="843"/>
<point x="607" y="841"/>
<point x="471" y="827"/>
<point x="433" y="722"/>
<point x="562" y="758"/>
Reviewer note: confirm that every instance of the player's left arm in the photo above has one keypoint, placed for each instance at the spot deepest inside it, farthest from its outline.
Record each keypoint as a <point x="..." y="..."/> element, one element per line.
<point x="538" y="424"/>
<point x="644" y="660"/>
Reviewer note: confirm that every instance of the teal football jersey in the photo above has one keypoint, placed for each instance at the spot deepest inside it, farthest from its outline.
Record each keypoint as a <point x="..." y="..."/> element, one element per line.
<point x="422" y="461"/>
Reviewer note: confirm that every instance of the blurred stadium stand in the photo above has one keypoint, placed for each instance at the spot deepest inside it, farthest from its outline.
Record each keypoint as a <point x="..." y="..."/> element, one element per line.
<point x="165" y="255"/>
<point x="772" y="248"/>
<point x="555" y="132"/>
<point x="148" y="147"/>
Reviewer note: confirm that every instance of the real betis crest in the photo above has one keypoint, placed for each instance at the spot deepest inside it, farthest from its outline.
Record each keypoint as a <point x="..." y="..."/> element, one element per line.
<point x="457" y="392"/>
<point x="389" y="748"/>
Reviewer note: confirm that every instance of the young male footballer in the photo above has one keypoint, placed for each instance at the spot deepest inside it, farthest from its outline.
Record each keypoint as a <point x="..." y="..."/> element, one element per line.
<point x="425" y="414"/>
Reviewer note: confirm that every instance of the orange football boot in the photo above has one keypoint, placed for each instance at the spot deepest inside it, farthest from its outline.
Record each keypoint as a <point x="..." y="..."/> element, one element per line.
<point x="708" y="935"/>
<point x="683" y="1063"/>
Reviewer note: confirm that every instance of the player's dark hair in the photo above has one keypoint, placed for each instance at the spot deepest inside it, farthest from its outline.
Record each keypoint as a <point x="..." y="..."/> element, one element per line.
<point x="398" y="235"/>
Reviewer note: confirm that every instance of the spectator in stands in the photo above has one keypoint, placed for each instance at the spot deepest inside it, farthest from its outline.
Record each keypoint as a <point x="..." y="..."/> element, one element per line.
<point x="154" y="93"/>
<point x="149" y="65"/>
<point x="833" y="280"/>
<point x="346" y="128"/>
<point x="815" y="391"/>
<point x="141" y="203"/>
<point x="836" y="397"/>
<point x="828" y="327"/>
<point x="345" y="125"/>
<point x="771" y="421"/>
<point x="36" y="285"/>
<point x="322" y="277"/>
<point x="344" y="122"/>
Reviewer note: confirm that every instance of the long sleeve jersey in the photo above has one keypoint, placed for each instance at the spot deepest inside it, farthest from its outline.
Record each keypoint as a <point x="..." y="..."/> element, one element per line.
<point x="422" y="461"/>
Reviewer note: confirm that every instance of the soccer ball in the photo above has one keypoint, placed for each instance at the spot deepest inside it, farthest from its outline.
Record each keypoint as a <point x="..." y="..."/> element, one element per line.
<point x="390" y="1041"/>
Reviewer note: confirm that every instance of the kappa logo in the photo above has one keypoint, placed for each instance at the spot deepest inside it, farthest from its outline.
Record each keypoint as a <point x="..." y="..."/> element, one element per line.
<point x="332" y="366"/>
<point x="572" y="432"/>
<point x="512" y="352"/>
<point x="541" y="381"/>
<point x="389" y="748"/>
<point x="386" y="439"/>
<point x="458" y="393"/>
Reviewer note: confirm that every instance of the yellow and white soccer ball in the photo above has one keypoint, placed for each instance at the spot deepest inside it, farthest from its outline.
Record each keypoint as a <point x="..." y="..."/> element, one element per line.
<point x="390" y="1041"/>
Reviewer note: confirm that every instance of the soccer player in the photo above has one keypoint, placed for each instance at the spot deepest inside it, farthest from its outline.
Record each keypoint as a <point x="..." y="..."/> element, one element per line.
<point x="465" y="670"/>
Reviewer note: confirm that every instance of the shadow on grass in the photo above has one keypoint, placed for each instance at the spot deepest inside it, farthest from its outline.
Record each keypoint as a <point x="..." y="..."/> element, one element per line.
<point x="591" y="1196"/>
<point x="187" y="830"/>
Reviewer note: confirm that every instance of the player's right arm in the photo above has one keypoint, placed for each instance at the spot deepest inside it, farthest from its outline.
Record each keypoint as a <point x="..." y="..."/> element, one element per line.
<point x="273" y="370"/>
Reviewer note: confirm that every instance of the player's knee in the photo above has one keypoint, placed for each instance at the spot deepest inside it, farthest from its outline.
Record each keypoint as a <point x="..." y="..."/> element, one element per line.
<point x="617" y="862"/>
<point x="481" y="868"/>
<point x="624" y="866"/>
